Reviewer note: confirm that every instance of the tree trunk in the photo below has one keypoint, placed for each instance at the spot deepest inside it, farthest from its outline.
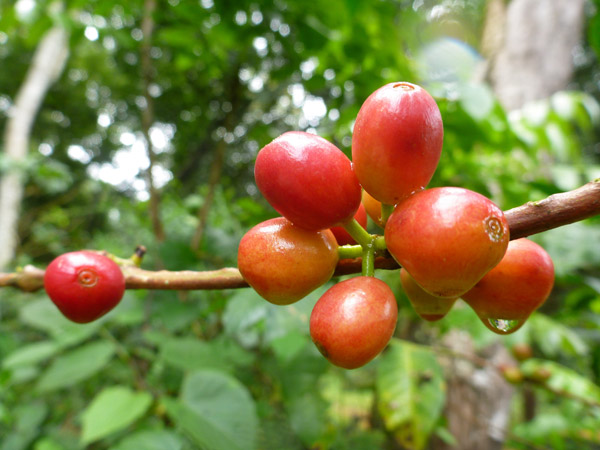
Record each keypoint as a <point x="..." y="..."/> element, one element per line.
<point x="478" y="397"/>
<point x="148" y="117"/>
<point x="529" y="46"/>
<point x="47" y="65"/>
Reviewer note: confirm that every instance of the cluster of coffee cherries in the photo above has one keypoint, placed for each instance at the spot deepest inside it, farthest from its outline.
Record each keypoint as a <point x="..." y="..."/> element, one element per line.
<point x="450" y="242"/>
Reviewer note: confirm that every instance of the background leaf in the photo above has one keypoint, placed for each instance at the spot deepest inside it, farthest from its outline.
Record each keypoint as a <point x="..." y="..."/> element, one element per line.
<point x="113" y="409"/>
<point x="76" y="365"/>
<point x="216" y="411"/>
<point x="411" y="392"/>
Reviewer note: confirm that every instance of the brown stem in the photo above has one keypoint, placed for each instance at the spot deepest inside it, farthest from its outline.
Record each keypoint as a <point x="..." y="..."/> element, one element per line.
<point x="148" y="115"/>
<point x="215" y="175"/>
<point x="216" y="167"/>
<point x="531" y="218"/>
<point x="554" y="211"/>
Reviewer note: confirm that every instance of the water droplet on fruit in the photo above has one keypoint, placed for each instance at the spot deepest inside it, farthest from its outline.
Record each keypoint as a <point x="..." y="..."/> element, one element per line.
<point x="494" y="228"/>
<point x="504" y="326"/>
<point x="87" y="277"/>
<point x="404" y="86"/>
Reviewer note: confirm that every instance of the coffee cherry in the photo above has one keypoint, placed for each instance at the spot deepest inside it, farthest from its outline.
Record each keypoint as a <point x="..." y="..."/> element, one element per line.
<point x="447" y="238"/>
<point x="308" y="180"/>
<point x="512" y="374"/>
<point x="540" y="374"/>
<point x="373" y="208"/>
<point x="353" y="321"/>
<point x="427" y="306"/>
<point x="84" y="285"/>
<point x="522" y="351"/>
<point x="284" y="262"/>
<point x="342" y="236"/>
<point x="508" y="294"/>
<point x="397" y="141"/>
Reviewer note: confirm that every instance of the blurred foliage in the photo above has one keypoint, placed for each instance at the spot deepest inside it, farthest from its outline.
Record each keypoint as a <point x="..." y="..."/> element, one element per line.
<point x="225" y="370"/>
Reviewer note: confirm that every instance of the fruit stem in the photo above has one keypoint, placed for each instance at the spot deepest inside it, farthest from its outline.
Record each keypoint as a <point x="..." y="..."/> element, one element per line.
<point x="368" y="259"/>
<point x="358" y="233"/>
<point x="386" y="211"/>
<point x="137" y="256"/>
<point x="349" y="251"/>
<point x="379" y="243"/>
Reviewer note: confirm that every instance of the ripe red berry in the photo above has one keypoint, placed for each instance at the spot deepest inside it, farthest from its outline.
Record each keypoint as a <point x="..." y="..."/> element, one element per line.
<point x="84" y="285"/>
<point x="397" y="141"/>
<point x="308" y="180"/>
<point x="508" y="294"/>
<point x="353" y="321"/>
<point x="284" y="262"/>
<point x="447" y="238"/>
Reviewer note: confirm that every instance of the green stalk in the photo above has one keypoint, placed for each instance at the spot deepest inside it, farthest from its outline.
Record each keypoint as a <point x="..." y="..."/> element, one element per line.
<point x="349" y="251"/>
<point x="379" y="243"/>
<point x="386" y="211"/>
<point x="368" y="260"/>
<point x="358" y="233"/>
<point x="367" y="245"/>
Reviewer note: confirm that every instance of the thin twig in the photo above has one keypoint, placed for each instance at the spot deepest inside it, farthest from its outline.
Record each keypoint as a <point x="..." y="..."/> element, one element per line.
<point x="531" y="218"/>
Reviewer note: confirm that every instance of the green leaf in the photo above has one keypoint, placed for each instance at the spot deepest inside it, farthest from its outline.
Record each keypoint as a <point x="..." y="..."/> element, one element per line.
<point x="47" y="444"/>
<point x="113" y="409"/>
<point x="44" y="316"/>
<point x="411" y="392"/>
<point x="215" y="411"/>
<point x="191" y="354"/>
<point x="30" y="354"/>
<point x="244" y="311"/>
<point x="593" y="31"/>
<point x="288" y="346"/>
<point x="28" y="418"/>
<point x="308" y="417"/>
<point x="554" y="338"/>
<point x="76" y="365"/>
<point x="151" y="440"/>
<point x="563" y="379"/>
<point x="197" y="428"/>
<point x="248" y="317"/>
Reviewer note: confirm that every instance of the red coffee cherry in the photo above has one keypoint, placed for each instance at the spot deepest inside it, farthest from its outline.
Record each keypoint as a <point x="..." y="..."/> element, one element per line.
<point x="84" y="285"/>
<point x="397" y="141"/>
<point x="447" y="238"/>
<point x="308" y="180"/>
<point x="354" y="321"/>
<point x="284" y="262"/>
<point x="508" y="294"/>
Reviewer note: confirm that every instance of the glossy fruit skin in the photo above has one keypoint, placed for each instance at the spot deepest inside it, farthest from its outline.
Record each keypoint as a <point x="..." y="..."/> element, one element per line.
<point x="373" y="208"/>
<point x="284" y="262"/>
<point x="517" y="286"/>
<point x="397" y="141"/>
<point x="342" y="236"/>
<point x="447" y="238"/>
<point x="84" y="285"/>
<point x="353" y="321"/>
<point x="427" y="306"/>
<point x="308" y="180"/>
